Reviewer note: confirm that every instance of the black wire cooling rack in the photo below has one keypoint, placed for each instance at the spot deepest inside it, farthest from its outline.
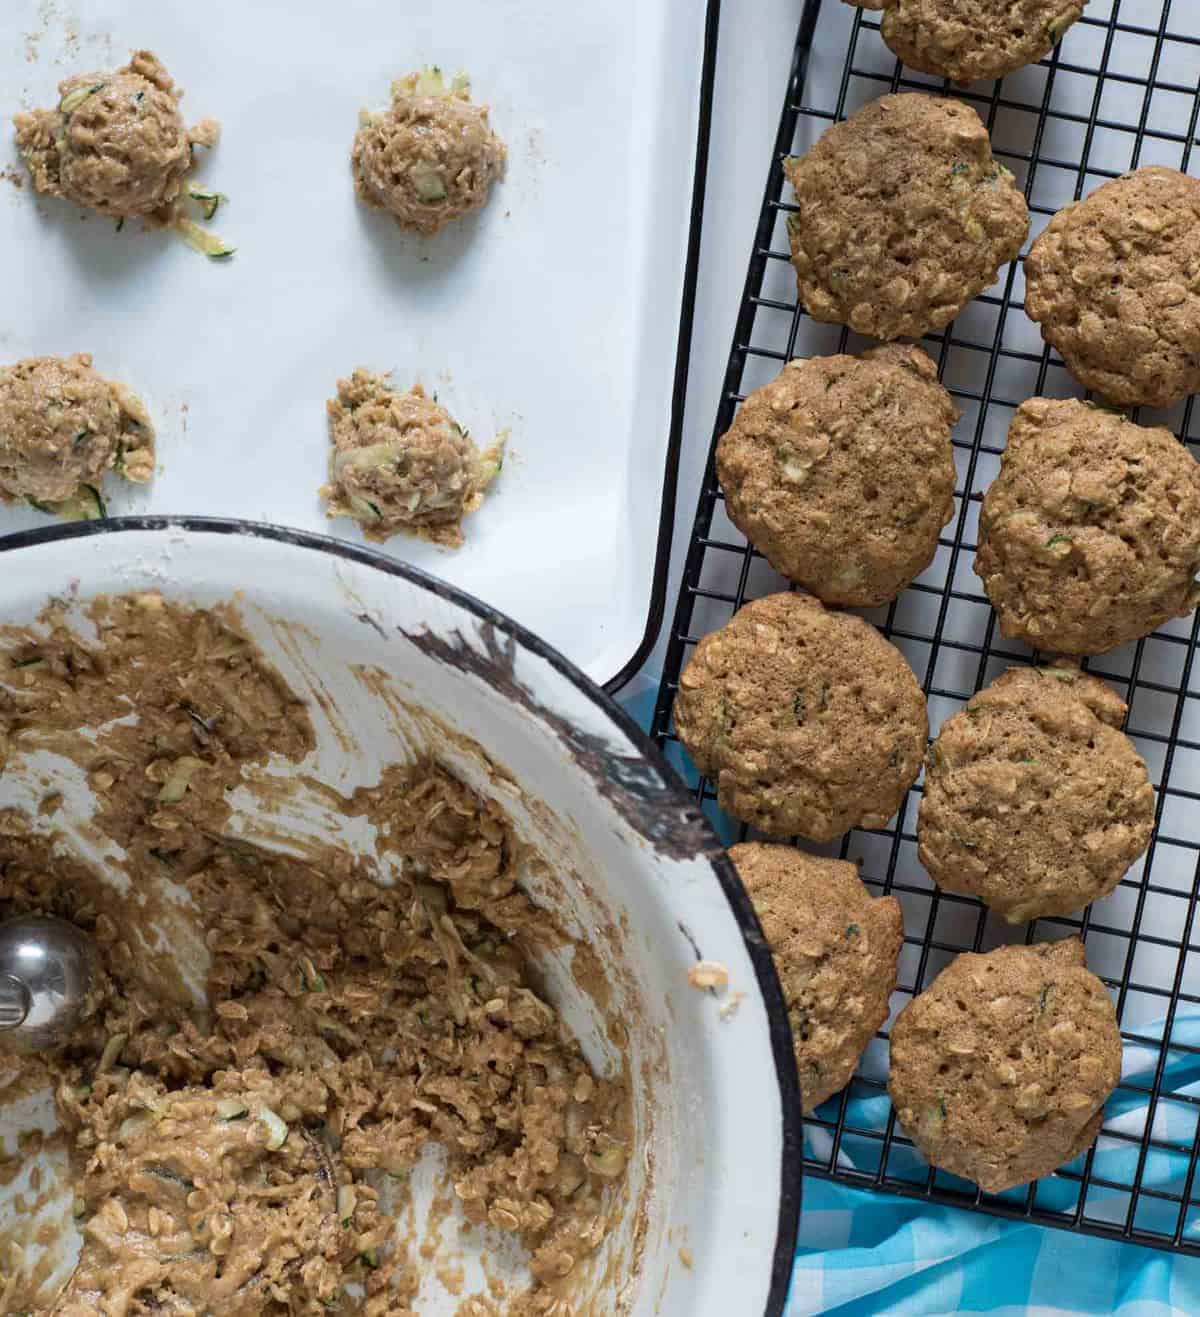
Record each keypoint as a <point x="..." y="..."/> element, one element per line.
<point x="1120" y="92"/>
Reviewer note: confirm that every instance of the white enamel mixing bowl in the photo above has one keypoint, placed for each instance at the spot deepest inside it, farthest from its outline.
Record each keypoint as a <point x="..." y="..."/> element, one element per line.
<point x="715" y="1184"/>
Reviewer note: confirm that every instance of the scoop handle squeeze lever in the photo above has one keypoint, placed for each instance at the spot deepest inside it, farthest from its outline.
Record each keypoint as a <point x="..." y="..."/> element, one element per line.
<point x="14" y="1002"/>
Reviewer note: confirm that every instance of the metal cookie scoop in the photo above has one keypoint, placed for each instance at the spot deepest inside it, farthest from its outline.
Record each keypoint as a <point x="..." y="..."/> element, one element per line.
<point x="46" y="969"/>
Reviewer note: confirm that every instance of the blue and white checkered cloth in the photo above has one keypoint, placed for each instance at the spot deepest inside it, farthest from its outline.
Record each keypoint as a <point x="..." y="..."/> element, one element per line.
<point x="862" y="1254"/>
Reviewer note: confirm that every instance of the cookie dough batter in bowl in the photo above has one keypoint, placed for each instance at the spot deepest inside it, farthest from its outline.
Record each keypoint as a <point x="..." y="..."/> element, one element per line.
<point x="63" y="427"/>
<point x="395" y="913"/>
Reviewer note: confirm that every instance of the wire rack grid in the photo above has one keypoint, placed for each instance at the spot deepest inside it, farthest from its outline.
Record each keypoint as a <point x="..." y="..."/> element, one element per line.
<point x="1120" y="92"/>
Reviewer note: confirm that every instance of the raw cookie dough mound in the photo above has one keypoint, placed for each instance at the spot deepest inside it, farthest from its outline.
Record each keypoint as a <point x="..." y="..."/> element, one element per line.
<point x="835" y="948"/>
<point x="967" y="40"/>
<point x="430" y="158"/>
<point x="1090" y="535"/>
<point x="116" y="142"/>
<point x="401" y="464"/>
<point x="807" y="721"/>
<point x="841" y="472"/>
<point x="902" y="216"/>
<point x="62" y="427"/>
<point x="1114" y="282"/>
<point x="1034" y="800"/>
<point x="1000" y="1069"/>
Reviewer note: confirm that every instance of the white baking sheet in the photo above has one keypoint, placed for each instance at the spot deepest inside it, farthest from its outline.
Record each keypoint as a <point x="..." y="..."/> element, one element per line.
<point x="554" y="314"/>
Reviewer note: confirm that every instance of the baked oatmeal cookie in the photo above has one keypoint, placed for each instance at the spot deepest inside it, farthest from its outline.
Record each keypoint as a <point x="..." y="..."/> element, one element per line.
<point x="902" y="216"/>
<point x="62" y="428"/>
<point x="431" y="157"/>
<point x="401" y="464"/>
<point x="115" y="142"/>
<point x="841" y="472"/>
<point x="967" y="40"/>
<point x="835" y="947"/>
<point x="1000" y="1069"/>
<point x="807" y="721"/>
<point x="1090" y="535"/>
<point x="1114" y="282"/>
<point x="1034" y="800"/>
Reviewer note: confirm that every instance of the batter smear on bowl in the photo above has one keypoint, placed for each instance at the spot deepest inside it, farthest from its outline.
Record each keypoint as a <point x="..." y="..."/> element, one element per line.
<point x="247" y="1154"/>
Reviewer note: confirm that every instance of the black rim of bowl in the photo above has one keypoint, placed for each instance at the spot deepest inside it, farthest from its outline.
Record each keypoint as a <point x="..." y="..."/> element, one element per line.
<point x="726" y="874"/>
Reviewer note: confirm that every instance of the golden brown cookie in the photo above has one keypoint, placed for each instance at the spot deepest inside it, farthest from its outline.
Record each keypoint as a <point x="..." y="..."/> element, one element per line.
<point x="1090" y="535"/>
<point x="841" y="472"/>
<point x="971" y="39"/>
<point x="1034" y="800"/>
<point x="806" y="720"/>
<point x="836" y="948"/>
<point x="1000" y="1069"/>
<point x="902" y="216"/>
<point x="1114" y="282"/>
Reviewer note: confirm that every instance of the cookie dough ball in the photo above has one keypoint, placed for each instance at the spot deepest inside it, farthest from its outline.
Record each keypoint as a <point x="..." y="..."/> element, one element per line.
<point x="62" y="427"/>
<point x="1034" y="800"/>
<point x="841" y="472"/>
<point x="971" y="39"/>
<point x="1090" y="535"/>
<point x="807" y="721"/>
<point x="401" y="464"/>
<point x="429" y="159"/>
<point x="836" y="949"/>
<point x="116" y="142"/>
<point x="902" y="216"/>
<point x="1000" y="1069"/>
<point x="1114" y="282"/>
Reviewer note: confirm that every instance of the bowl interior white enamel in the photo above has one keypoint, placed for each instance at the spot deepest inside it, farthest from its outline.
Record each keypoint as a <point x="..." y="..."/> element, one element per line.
<point x="635" y="874"/>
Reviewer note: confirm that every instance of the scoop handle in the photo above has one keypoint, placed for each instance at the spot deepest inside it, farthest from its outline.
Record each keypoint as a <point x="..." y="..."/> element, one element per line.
<point x="14" y="1002"/>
